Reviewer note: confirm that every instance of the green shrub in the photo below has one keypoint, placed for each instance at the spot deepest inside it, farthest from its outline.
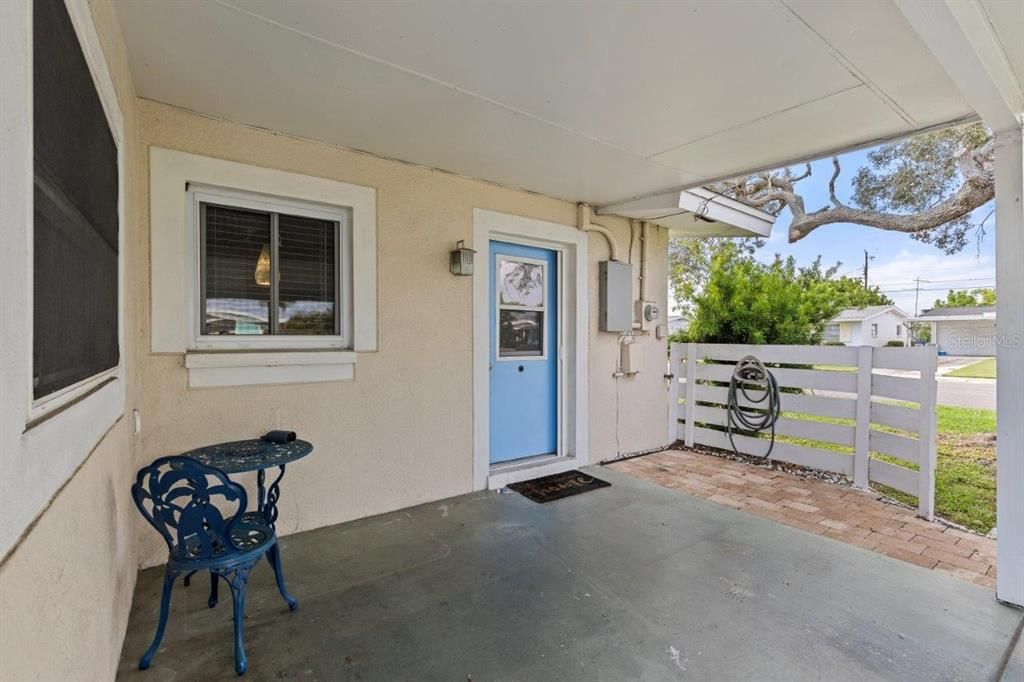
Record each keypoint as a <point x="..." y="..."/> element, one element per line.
<point x="894" y="344"/>
<point x="833" y="343"/>
<point x="679" y="336"/>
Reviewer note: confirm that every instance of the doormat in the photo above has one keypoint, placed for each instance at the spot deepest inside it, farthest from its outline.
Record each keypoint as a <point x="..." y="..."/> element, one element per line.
<point x="557" y="486"/>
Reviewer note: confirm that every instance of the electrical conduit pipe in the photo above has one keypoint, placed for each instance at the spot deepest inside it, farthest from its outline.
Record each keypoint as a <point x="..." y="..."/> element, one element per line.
<point x="583" y="222"/>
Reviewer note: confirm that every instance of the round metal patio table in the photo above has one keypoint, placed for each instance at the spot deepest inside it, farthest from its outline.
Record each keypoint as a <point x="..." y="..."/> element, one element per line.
<point x="241" y="456"/>
<point x="257" y="455"/>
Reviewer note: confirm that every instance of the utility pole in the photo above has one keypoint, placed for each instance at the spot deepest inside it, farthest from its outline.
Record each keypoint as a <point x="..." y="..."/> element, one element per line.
<point x="917" y="294"/>
<point x="866" y="259"/>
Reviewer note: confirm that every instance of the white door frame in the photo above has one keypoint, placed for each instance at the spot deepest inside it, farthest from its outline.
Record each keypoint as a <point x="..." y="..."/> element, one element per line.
<point x="573" y="305"/>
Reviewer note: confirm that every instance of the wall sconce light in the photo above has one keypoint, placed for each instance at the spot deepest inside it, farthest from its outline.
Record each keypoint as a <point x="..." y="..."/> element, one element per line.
<point x="262" y="274"/>
<point x="461" y="261"/>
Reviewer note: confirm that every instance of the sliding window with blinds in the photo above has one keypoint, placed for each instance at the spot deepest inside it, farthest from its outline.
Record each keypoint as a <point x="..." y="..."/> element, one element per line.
<point x="268" y="273"/>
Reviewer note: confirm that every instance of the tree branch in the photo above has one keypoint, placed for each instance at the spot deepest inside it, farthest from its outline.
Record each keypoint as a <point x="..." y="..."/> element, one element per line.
<point x="974" y="192"/>
<point x="806" y="174"/>
<point x="832" y="183"/>
<point x="973" y="162"/>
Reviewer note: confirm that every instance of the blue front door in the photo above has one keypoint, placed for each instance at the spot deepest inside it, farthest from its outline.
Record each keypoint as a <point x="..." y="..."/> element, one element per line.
<point x="523" y="351"/>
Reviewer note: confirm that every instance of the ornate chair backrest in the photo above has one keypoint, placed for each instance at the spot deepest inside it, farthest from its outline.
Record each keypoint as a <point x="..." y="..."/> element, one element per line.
<point x="179" y="496"/>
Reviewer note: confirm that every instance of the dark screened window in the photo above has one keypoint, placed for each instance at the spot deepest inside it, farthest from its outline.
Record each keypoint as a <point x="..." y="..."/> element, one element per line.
<point x="268" y="273"/>
<point x="75" y="315"/>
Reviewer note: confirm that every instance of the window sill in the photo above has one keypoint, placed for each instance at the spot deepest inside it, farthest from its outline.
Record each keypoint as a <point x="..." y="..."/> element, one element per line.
<point x="236" y="368"/>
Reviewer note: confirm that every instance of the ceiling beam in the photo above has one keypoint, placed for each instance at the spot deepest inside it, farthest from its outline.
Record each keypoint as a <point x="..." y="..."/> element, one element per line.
<point x="961" y="36"/>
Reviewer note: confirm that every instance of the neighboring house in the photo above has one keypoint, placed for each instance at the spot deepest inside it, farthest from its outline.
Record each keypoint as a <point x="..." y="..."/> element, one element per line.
<point x="871" y="326"/>
<point x="969" y="330"/>
<point x="678" y="323"/>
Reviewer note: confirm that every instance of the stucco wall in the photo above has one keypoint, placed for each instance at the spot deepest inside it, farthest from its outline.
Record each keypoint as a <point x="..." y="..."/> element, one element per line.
<point x="66" y="584"/>
<point x="886" y="329"/>
<point x="401" y="432"/>
<point x="66" y="590"/>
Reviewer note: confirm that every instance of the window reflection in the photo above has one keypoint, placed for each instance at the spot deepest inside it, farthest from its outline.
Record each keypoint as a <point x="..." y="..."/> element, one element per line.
<point x="236" y="302"/>
<point x="521" y="333"/>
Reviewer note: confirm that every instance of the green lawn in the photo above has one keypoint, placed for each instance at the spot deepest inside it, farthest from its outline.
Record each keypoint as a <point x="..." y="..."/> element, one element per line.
<point x="986" y="369"/>
<point x="835" y="368"/>
<point x="965" y="475"/>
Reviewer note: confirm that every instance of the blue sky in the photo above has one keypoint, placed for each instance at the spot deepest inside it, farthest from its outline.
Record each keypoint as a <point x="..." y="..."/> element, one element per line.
<point x="898" y="259"/>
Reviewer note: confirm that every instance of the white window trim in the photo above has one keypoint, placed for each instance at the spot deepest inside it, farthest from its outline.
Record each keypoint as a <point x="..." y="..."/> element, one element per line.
<point x="46" y="439"/>
<point x="209" y="370"/>
<point x="200" y="194"/>
<point x="174" y="283"/>
<point x="81" y="19"/>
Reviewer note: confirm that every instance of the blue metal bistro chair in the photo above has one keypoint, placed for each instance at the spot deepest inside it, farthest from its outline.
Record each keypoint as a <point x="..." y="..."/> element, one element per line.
<point x="183" y="500"/>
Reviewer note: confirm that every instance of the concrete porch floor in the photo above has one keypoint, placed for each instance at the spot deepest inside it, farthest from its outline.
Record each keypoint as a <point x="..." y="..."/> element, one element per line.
<point x="631" y="582"/>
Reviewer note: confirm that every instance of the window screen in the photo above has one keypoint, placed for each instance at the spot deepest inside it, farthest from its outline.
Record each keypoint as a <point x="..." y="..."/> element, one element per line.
<point x="75" y="278"/>
<point x="268" y="273"/>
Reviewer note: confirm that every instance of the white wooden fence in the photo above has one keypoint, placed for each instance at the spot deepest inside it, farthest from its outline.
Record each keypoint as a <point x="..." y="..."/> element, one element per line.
<point x="848" y="386"/>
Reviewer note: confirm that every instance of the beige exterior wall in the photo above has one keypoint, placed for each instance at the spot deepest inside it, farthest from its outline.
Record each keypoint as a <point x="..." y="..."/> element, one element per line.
<point x="66" y="590"/>
<point x="66" y="585"/>
<point x="400" y="433"/>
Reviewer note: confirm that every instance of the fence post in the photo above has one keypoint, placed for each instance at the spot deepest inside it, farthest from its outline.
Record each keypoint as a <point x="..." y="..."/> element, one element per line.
<point x="862" y="432"/>
<point x="691" y="393"/>
<point x="675" y="357"/>
<point x="927" y="434"/>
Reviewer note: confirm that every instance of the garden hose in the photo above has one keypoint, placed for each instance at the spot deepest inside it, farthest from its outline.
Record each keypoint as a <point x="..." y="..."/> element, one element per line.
<point x="751" y="378"/>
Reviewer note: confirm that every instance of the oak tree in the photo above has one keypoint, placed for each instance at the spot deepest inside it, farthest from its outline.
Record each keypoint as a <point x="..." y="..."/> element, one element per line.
<point x="925" y="186"/>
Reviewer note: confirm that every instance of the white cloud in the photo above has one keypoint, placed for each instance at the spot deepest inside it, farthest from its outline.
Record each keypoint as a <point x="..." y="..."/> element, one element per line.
<point x="938" y="273"/>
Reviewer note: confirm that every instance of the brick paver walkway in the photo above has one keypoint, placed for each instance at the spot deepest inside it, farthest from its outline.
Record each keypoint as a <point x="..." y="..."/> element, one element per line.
<point x="840" y="512"/>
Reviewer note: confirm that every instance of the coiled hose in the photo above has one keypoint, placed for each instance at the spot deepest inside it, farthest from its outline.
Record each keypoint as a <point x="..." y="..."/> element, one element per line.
<point x="760" y="391"/>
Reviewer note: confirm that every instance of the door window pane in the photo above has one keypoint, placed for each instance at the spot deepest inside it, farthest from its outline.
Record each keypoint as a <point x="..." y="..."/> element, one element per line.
<point x="521" y="283"/>
<point x="521" y="333"/>
<point x="307" y="276"/>
<point x="238" y="271"/>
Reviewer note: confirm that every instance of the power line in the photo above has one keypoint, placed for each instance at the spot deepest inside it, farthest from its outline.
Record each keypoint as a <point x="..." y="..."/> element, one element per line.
<point x="900" y="291"/>
<point x="937" y="281"/>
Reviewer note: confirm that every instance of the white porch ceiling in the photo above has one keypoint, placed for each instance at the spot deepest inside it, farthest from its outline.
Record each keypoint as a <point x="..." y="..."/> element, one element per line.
<point x="597" y="102"/>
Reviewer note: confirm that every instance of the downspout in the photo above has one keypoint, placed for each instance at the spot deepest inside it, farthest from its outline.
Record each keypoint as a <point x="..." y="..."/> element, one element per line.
<point x="583" y="221"/>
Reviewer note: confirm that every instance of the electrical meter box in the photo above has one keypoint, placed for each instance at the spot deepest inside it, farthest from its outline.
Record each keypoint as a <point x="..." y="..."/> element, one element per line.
<point x="648" y="313"/>
<point x="616" y="300"/>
